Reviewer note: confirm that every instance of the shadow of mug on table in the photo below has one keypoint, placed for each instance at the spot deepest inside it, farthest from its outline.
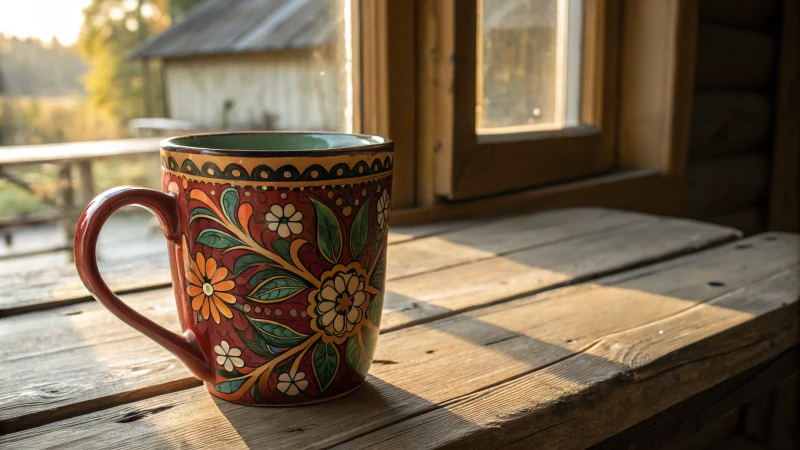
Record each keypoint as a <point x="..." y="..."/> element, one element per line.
<point x="277" y="246"/>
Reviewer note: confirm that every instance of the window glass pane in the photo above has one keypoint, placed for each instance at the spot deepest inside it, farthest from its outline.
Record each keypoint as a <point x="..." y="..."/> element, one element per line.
<point x="528" y="64"/>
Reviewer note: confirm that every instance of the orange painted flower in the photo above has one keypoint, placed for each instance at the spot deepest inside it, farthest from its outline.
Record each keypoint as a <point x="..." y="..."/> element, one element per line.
<point x="208" y="288"/>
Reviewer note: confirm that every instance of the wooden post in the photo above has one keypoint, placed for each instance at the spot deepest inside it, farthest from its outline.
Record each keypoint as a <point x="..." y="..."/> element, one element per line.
<point x="67" y="205"/>
<point x="86" y="181"/>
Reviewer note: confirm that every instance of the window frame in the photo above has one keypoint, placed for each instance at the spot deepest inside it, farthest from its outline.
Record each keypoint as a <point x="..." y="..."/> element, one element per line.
<point x="468" y="165"/>
<point x="652" y="46"/>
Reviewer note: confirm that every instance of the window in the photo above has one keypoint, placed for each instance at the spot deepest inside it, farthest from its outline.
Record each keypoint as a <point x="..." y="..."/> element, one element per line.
<point x="532" y="93"/>
<point x="529" y="65"/>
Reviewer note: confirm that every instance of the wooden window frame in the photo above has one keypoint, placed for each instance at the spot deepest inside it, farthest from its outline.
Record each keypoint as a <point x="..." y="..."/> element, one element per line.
<point x="469" y="165"/>
<point x="411" y="68"/>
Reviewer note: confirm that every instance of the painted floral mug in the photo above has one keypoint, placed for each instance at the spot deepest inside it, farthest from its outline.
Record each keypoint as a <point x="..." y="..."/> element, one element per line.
<point x="277" y="245"/>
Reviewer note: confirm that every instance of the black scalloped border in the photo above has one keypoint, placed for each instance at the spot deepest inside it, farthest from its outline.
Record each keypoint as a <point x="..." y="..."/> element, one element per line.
<point x="285" y="173"/>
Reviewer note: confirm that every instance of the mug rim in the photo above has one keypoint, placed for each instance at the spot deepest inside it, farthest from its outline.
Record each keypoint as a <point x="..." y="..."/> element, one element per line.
<point x="170" y="145"/>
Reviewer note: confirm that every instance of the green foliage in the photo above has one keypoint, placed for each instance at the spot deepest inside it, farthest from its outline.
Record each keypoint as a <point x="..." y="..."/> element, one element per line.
<point x="122" y="88"/>
<point x="31" y="67"/>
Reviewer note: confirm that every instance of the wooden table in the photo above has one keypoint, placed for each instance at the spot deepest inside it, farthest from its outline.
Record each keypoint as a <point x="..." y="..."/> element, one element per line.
<point x="66" y="155"/>
<point x="558" y="329"/>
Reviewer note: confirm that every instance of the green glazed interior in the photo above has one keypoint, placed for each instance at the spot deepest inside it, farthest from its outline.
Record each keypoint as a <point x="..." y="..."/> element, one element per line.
<point x="274" y="141"/>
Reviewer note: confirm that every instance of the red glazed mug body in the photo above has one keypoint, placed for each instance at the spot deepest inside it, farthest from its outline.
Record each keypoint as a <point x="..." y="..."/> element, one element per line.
<point x="278" y="256"/>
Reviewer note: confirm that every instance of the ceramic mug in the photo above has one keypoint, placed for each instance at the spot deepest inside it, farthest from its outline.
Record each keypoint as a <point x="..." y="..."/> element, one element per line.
<point x="277" y="246"/>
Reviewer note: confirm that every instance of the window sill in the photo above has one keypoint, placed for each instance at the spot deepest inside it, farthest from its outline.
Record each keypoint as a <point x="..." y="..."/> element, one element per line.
<point x="640" y="190"/>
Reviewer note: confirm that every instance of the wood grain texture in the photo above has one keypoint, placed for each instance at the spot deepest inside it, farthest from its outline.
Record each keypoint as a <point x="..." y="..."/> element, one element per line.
<point x="86" y="343"/>
<point x="36" y="289"/>
<point x="619" y="380"/>
<point x="469" y="375"/>
<point x="640" y="190"/>
<point x="733" y="59"/>
<point x="657" y="84"/>
<point x="694" y="422"/>
<point x="785" y="189"/>
<point x="726" y="123"/>
<point x="724" y="185"/>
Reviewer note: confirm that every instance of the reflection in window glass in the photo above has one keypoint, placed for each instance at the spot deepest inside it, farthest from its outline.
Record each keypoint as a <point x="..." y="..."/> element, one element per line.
<point x="528" y="64"/>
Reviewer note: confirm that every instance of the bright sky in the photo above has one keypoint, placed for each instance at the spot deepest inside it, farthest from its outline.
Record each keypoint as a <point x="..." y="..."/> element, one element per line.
<point x="42" y="19"/>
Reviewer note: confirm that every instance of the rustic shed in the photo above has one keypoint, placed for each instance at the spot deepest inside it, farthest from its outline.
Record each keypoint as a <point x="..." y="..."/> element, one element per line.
<point x="263" y="64"/>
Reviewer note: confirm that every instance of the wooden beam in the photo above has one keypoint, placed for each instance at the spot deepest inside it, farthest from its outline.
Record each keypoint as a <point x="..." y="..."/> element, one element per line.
<point x="657" y="83"/>
<point x="700" y="412"/>
<point x="634" y="190"/>
<point x="731" y="59"/>
<point x="784" y="208"/>
<point x="724" y="185"/>
<point x="748" y="14"/>
<point x="725" y="123"/>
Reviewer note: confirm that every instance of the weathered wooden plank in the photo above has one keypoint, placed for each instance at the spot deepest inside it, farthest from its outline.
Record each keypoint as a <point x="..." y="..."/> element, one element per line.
<point x="724" y="185"/>
<point x="85" y="346"/>
<point x="785" y="189"/>
<point x="725" y="123"/>
<point x="618" y="381"/>
<point x="709" y="416"/>
<point x="433" y="368"/>
<point x="728" y="58"/>
<point x="32" y="290"/>
<point x="75" y="151"/>
<point x="749" y="14"/>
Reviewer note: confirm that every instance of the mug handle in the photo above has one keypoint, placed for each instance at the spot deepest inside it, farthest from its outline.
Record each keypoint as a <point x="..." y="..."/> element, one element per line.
<point x="165" y="207"/>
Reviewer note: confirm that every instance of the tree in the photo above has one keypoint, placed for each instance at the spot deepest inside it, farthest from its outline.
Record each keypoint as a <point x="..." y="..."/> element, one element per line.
<point x="111" y="29"/>
<point x="179" y="8"/>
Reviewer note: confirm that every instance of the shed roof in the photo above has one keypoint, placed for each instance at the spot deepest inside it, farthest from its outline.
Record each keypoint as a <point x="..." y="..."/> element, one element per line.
<point x="217" y="27"/>
<point x="243" y="26"/>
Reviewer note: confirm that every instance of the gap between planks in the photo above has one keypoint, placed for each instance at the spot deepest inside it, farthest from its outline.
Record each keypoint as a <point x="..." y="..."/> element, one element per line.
<point x="60" y="286"/>
<point x="502" y="342"/>
<point x="84" y="340"/>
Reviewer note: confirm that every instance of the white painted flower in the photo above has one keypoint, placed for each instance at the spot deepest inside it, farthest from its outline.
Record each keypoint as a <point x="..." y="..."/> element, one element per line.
<point x="340" y="302"/>
<point x="292" y="384"/>
<point x="228" y="357"/>
<point x="383" y="209"/>
<point x="285" y="220"/>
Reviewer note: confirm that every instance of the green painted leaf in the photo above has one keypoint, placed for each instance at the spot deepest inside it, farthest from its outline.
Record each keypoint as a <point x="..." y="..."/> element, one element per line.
<point x="197" y="213"/>
<point x="258" y="398"/>
<point x="264" y="274"/>
<point x="281" y="247"/>
<point x="378" y="279"/>
<point x="230" y="200"/>
<point x="360" y="230"/>
<point x="374" y="309"/>
<point x="325" y="362"/>
<point x="355" y="359"/>
<point x="245" y="262"/>
<point x="276" y="289"/>
<point x="329" y="234"/>
<point x="259" y="346"/>
<point x="277" y="335"/>
<point x="229" y="387"/>
<point x="217" y="239"/>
